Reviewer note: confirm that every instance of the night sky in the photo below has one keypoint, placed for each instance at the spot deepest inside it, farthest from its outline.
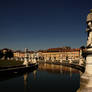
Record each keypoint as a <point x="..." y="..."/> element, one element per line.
<point x="42" y="24"/>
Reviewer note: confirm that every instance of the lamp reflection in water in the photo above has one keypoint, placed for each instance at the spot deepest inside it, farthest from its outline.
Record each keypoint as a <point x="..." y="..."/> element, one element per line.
<point x="25" y="82"/>
<point x="34" y="74"/>
<point x="70" y="72"/>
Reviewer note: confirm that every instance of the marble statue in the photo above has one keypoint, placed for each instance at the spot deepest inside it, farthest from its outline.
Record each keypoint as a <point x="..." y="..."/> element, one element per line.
<point x="26" y="58"/>
<point x="87" y="76"/>
<point x="89" y="29"/>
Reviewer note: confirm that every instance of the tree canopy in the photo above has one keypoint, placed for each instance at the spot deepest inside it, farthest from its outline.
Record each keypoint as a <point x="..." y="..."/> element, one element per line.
<point x="6" y="53"/>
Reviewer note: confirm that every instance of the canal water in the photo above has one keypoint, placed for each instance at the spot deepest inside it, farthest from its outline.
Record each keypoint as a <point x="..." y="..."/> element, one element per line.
<point x="47" y="78"/>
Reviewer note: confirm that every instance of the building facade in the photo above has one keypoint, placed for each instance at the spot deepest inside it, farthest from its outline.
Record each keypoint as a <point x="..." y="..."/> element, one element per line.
<point x="56" y="54"/>
<point x="51" y="54"/>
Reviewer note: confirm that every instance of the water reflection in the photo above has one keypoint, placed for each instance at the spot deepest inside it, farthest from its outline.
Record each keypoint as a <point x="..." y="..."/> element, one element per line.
<point x="34" y="74"/>
<point x="25" y="82"/>
<point x="57" y="69"/>
<point x="47" y="78"/>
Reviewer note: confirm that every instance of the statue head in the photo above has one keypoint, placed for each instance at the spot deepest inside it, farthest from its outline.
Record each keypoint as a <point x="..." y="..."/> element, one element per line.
<point x="89" y="20"/>
<point x="89" y="17"/>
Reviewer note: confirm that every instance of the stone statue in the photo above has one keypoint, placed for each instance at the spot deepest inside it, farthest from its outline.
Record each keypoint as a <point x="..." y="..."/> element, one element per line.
<point x="89" y="29"/>
<point x="26" y="58"/>
<point x="86" y="83"/>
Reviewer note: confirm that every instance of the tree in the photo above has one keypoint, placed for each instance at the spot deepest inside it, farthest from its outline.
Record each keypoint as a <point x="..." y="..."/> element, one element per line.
<point x="1" y="54"/>
<point x="7" y="53"/>
<point x="10" y="54"/>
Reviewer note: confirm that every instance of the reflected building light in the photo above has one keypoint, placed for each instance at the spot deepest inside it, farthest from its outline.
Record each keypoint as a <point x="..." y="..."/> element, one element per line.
<point x="45" y="64"/>
<point x="61" y="69"/>
<point x="25" y="81"/>
<point x="70" y="72"/>
<point x="34" y="74"/>
<point x="52" y="66"/>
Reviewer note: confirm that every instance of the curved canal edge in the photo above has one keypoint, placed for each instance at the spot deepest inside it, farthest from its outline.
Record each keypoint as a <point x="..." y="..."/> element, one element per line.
<point x="17" y="69"/>
<point x="75" y="66"/>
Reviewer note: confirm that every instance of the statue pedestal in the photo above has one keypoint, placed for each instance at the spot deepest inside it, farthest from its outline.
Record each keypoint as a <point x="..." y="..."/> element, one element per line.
<point x="86" y="78"/>
<point x="88" y="71"/>
<point x="85" y="83"/>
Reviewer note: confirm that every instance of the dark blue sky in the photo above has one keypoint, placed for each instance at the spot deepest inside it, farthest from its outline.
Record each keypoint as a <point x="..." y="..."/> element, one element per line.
<point x="41" y="24"/>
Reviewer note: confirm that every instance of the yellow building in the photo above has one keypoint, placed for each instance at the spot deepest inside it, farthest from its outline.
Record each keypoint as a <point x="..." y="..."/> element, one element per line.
<point x="60" y="53"/>
<point x="19" y="54"/>
<point x="52" y="54"/>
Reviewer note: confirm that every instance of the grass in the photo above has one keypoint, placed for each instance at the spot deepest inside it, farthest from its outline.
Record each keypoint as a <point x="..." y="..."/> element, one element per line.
<point x="9" y="63"/>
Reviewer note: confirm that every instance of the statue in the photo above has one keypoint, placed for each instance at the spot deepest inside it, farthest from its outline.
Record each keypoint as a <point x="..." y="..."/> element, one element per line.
<point x="26" y="58"/>
<point x="86" y="83"/>
<point x="89" y="29"/>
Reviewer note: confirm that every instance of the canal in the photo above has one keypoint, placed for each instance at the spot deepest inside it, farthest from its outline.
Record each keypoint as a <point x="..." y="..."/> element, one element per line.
<point x="47" y="78"/>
